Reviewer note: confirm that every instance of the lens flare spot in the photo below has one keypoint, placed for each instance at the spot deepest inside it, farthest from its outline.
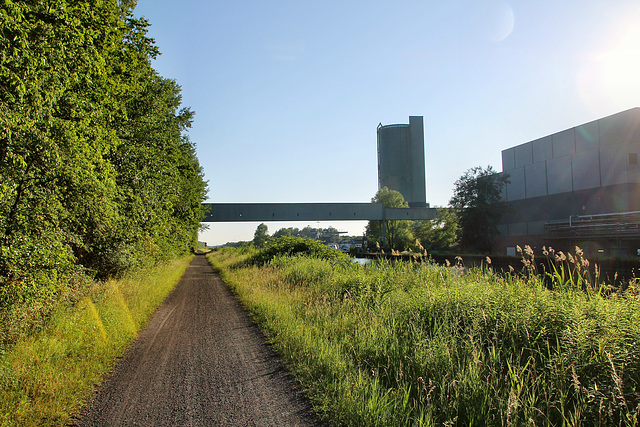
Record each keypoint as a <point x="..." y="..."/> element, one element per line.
<point x="493" y="20"/>
<point x="503" y="24"/>
<point x="125" y="308"/>
<point x="96" y="317"/>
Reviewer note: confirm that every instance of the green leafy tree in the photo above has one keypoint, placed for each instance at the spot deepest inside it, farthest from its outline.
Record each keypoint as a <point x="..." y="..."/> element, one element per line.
<point x="97" y="174"/>
<point x="57" y="115"/>
<point x="477" y="199"/>
<point x="439" y="234"/>
<point x="261" y="236"/>
<point x="309" y="232"/>
<point x="391" y="234"/>
<point x="287" y="232"/>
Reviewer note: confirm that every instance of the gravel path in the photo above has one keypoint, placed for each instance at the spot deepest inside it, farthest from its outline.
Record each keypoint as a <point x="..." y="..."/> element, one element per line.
<point x="200" y="362"/>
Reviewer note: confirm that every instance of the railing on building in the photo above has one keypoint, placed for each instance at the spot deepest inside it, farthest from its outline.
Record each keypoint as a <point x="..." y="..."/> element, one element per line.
<point x="614" y="225"/>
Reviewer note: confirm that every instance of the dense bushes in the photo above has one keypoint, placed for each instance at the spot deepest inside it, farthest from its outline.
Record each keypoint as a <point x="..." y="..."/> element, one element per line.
<point x="96" y="173"/>
<point x="296" y="246"/>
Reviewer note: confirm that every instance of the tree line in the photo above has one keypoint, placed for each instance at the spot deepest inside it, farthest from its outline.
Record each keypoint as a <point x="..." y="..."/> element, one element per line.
<point x="329" y="235"/>
<point x="97" y="174"/>
<point x="469" y="223"/>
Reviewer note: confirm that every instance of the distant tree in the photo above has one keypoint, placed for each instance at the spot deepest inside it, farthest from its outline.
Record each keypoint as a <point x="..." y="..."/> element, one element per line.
<point x="240" y="244"/>
<point x="287" y="232"/>
<point x="309" y="233"/>
<point x="477" y="199"/>
<point x="439" y="234"/>
<point x="330" y="235"/>
<point x="261" y="236"/>
<point x="389" y="233"/>
<point x="327" y="235"/>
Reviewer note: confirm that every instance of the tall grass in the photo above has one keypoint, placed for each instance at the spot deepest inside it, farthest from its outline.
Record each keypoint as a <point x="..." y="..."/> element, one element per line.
<point x="418" y="344"/>
<point x="45" y="378"/>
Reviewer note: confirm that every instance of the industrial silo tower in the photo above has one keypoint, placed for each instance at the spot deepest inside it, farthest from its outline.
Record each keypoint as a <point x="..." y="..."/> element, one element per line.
<point x="401" y="164"/>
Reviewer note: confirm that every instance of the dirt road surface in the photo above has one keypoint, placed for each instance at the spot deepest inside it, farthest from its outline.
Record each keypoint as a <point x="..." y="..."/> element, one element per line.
<point x="200" y="362"/>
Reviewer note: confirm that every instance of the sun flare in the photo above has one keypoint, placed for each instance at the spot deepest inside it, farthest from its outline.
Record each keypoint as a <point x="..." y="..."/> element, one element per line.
<point x="621" y="66"/>
<point x="612" y="78"/>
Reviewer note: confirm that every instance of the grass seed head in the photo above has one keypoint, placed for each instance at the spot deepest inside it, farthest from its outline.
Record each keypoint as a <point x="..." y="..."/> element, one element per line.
<point x="528" y="250"/>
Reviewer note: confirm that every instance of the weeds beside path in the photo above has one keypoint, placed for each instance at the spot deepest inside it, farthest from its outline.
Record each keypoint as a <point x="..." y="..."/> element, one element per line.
<point x="416" y="344"/>
<point x="46" y="377"/>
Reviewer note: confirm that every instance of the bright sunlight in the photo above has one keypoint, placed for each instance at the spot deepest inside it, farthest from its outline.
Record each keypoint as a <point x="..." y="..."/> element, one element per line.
<point x="611" y="77"/>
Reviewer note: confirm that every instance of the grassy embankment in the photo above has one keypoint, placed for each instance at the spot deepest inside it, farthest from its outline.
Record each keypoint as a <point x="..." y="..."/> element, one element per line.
<point x="45" y="378"/>
<point x="416" y="344"/>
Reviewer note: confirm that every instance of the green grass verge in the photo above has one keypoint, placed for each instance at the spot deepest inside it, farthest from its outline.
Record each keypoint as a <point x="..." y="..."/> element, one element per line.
<point x="396" y="344"/>
<point x="46" y="378"/>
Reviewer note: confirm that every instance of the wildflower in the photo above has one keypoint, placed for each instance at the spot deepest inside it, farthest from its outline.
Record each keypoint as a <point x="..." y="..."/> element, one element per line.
<point x="488" y="260"/>
<point x="545" y="252"/>
<point x="511" y="269"/>
<point x="378" y="245"/>
<point x="519" y="249"/>
<point x="579" y="251"/>
<point x="561" y="257"/>
<point x="446" y="261"/>
<point x="570" y="257"/>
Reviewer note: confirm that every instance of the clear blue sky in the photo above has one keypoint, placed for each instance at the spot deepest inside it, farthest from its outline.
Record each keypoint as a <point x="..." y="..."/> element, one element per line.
<point x="288" y="94"/>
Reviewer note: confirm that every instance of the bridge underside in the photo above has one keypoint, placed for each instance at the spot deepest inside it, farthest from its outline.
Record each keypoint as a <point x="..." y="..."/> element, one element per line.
<point x="263" y="212"/>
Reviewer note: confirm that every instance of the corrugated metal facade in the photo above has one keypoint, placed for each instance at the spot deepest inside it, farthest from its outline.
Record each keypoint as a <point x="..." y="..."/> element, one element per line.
<point x="593" y="168"/>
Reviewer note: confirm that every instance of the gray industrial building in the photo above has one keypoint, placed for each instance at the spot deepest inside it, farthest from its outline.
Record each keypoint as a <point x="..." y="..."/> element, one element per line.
<point x="580" y="187"/>
<point x="401" y="164"/>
